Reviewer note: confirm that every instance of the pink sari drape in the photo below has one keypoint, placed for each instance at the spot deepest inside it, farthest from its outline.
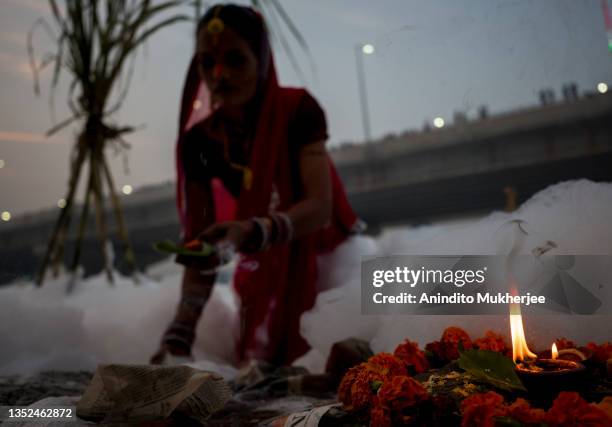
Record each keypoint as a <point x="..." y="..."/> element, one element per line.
<point x="278" y="285"/>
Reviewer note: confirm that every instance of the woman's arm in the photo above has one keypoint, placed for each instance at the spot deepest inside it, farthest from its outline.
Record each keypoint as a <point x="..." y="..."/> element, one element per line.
<point x="309" y="214"/>
<point x="314" y="210"/>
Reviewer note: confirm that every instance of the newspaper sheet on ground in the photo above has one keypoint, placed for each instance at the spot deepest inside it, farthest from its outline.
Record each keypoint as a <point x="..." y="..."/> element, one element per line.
<point x="306" y="418"/>
<point x="128" y="393"/>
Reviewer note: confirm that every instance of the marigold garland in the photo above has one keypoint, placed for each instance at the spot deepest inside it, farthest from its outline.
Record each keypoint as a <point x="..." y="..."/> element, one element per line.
<point x="568" y="409"/>
<point x="383" y="388"/>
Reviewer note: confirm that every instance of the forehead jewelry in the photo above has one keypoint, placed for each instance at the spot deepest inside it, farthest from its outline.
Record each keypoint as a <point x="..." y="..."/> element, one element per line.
<point x="215" y="26"/>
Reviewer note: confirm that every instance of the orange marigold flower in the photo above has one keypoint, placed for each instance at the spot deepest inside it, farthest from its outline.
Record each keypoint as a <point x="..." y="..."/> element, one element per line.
<point x="443" y="352"/>
<point x="569" y="409"/>
<point x="456" y="335"/>
<point x="563" y="343"/>
<point x="401" y="392"/>
<point x="380" y="415"/>
<point x="387" y="364"/>
<point x="447" y="349"/>
<point x="521" y="411"/>
<point x="434" y="347"/>
<point x="601" y="352"/>
<point x="412" y="356"/>
<point x="355" y="390"/>
<point x="492" y="341"/>
<point x="606" y="406"/>
<point x="479" y="410"/>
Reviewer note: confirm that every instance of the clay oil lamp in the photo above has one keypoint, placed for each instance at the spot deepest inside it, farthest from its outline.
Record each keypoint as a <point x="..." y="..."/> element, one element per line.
<point x="543" y="376"/>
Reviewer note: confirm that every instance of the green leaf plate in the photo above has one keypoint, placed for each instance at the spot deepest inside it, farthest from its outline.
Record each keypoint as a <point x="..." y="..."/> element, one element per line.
<point x="169" y="247"/>
<point x="491" y="367"/>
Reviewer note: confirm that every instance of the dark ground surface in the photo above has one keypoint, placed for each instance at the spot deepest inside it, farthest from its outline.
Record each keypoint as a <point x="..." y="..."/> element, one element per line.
<point x="249" y="408"/>
<point x="20" y="391"/>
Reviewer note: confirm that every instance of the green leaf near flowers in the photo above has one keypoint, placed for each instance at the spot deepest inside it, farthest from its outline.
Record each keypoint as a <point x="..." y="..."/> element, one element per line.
<point x="491" y="367"/>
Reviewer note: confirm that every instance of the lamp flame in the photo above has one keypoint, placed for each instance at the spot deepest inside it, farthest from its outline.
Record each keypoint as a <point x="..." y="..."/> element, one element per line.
<point x="520" y="350"/>
<point x="554" y="352"/>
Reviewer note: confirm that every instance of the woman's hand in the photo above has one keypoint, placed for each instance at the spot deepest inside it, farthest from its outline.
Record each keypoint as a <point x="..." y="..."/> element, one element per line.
<point x="228" y="236"/>
<point x="236" y="233"/>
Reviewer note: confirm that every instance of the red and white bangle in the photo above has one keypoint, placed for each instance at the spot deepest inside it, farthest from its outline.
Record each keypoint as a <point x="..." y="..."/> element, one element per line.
<point x="283" y="227"/>
<point x="273" y="229"/>
<point x="265" y="229"/>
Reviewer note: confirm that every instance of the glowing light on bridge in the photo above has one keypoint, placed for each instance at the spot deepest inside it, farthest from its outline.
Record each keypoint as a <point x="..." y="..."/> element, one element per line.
<point x="368" y="49"/>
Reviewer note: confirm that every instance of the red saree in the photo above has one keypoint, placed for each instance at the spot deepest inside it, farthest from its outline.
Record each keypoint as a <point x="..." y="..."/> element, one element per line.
<point x="277" y="285"/>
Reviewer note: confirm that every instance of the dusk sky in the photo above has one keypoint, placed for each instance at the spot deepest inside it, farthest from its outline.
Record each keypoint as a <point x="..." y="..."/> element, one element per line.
<point x="432" y="58"/>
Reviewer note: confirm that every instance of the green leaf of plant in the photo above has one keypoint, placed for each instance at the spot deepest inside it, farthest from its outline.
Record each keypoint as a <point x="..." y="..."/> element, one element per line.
<point x="491" y="367"/>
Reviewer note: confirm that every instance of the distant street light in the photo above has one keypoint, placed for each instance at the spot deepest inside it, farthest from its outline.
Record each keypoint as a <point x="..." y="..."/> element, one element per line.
<point x="602" y="87"/>
<point x="438" y="122"/>
<point x="127" y="189"/>
<point x="6" y="216"/>
<point x="366" y="49"/>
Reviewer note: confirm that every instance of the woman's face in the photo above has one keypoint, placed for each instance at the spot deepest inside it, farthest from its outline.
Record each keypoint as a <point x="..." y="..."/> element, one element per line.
<point x="228" y="67"/>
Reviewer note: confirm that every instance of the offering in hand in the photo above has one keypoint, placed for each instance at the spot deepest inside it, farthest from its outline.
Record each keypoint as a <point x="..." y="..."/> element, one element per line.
<point x="203" y="256"/>
<point x="194" y="245"/>
<point x="192" y="248"/>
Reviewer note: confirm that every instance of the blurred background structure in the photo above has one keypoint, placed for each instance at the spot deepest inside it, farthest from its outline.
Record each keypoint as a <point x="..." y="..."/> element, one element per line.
<point x="453" y="110"/>
<point x="465" y="168"/>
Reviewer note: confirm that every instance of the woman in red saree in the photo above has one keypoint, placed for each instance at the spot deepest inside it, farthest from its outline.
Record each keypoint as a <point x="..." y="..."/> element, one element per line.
<point x="252" y="174"/>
